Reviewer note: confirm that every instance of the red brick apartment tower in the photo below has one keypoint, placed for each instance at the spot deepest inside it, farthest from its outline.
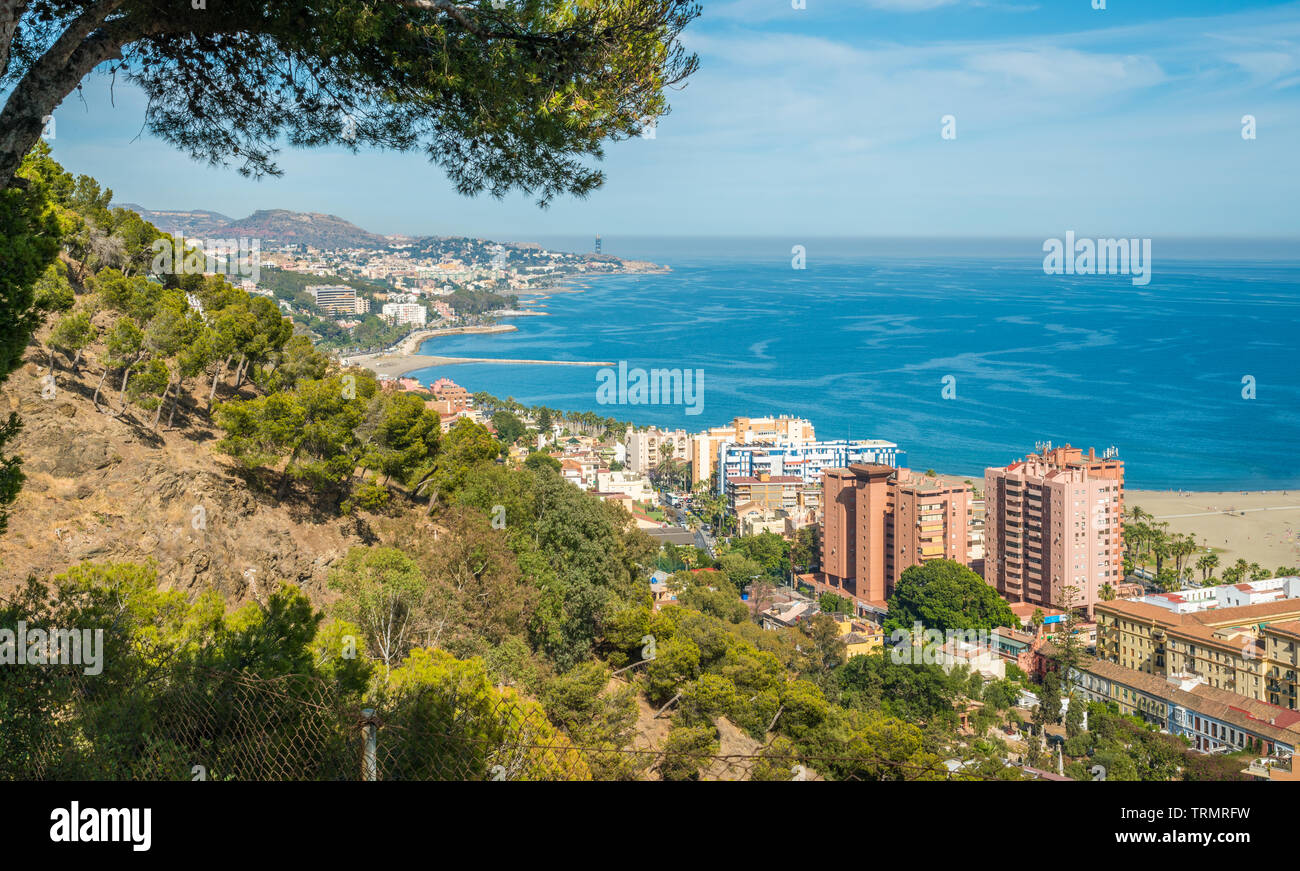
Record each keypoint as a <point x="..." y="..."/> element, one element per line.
<point x="1053" y="520"/>
<point x="930" y="520"/>
<point x="855" y="550"/>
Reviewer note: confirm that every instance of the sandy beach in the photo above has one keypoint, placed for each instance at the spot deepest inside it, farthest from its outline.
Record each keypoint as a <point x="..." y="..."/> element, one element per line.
<point x="1261" y="526"/>
<point x="405" y="359"/>
<point x="411" y="344"/>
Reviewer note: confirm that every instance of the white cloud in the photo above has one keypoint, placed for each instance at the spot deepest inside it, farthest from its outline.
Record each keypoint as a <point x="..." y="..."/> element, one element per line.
<point x="1065" y="71"/>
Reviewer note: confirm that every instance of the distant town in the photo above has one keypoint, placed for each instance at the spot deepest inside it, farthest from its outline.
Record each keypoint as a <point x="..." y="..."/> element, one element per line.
<point x="356" y="292"/>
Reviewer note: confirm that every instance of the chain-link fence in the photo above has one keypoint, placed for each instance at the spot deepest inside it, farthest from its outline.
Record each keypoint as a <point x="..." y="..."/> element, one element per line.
<point x="231" y="725"/>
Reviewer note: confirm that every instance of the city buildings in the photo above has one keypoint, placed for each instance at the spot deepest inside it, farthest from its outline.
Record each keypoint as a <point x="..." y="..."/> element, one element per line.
<point x="630" y="484"/>
<point x="703" y="451"/>
<point x="1251" y="651"/>
<point x="336" y="299"/>
<point x="877" y="521"/>
<point x="645" y="448"/>
<point x="1198" y="599"/>
<point x="806" y="460"/>
<point x="1212" y="719"/>
<point x="412" y="313"/>
<point x="1053" y="527"/>
<point x="451" y="401"/>
<point x="768" y="493"/>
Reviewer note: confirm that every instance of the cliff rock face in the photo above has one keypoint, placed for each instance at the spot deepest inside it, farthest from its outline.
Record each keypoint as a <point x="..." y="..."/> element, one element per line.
<point x="102" y="488"/>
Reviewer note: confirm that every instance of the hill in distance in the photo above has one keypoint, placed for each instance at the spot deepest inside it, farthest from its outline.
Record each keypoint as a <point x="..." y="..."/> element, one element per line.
<point x="272" y="226"/>
<point x="196" y="222"/>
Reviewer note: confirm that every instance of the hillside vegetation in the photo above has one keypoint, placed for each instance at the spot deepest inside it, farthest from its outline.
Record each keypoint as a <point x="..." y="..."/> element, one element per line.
<point x="225" y="502"/>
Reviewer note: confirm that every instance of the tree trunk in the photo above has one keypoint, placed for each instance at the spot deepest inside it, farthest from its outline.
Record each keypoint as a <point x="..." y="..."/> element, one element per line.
<point x="121" y="397"/>
<point x="176" y="400"/>
<point x="221" y="370"/>
<point x="162" y="400"/>
<point x="51" y="78"/>
<point x="284" y="476"/>
<point x="98" y="387"/>
<point x="76" y="360"/>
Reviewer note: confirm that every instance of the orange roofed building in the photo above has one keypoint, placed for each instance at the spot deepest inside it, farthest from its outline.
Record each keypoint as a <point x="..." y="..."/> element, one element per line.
<point x="1054" y="522"/>
<point x="877" y="521"/>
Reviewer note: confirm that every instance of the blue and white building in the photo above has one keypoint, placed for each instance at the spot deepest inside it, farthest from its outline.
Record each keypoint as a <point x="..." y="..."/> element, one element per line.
<point x="806" y="460"/>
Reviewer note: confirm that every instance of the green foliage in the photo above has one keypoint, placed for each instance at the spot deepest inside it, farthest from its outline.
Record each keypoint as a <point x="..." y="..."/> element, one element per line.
<point x="538" y="461"/>
<point x="465" y="450"/>
<point x="400" y="435"/>
<point x="769" y="551"/>
<point x="368" y="497"/>
<point x="509" y="428"/>
<point x="1131" y="749"/>
<point x="686" y="751"/>
<point x="312" y="427"/>
<point x="53" y="290"/>
<point x="505" y="98"/>
<point x="30" y="231"/>
<point x="830" y="603"/>
<point x="724" y="604"/>
<point x="459" y="718"/>
<point x="806" y="549"/>
<point x="476" y="597"/>
<point x="383" y="592"/>
<point x="593" y="717"/>
<point x="914" y="692"/>
<point x="163" y="657"/>
<point x="72" y="333"/>
<point x="740" y="570"/>
<point x="943" y="595"/>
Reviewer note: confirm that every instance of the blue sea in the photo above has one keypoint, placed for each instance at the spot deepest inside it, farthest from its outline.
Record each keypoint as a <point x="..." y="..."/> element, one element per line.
<point x="864" y="340"/>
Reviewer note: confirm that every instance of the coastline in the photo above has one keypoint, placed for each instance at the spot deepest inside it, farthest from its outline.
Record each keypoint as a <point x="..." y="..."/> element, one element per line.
<point x="405" y="359"/>
<point x="396" y="365"/>
<point x="411" y="344"/>
<point x="1259" y="525"/>
<point x="408" y="359"/>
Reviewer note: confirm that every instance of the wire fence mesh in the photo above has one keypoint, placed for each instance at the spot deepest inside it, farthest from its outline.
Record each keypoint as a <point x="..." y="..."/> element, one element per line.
<point x="211" y="724"/>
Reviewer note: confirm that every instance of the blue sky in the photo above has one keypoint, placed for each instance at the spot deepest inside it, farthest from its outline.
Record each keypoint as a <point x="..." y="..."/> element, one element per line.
<point x="826" y="121"/>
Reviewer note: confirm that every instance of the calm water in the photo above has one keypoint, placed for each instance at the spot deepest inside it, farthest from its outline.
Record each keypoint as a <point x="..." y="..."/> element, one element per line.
<point x="860" y="342"/>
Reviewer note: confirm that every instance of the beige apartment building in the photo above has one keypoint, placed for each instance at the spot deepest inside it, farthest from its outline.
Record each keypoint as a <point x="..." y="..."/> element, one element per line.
<point x="767" y="493"/>
<point x="703" y="449"/>
<point x="645" y="448"/>
<point x="877" y="521"/>
<point x="1252" y="651"/>
<point x="1054" y="521"/>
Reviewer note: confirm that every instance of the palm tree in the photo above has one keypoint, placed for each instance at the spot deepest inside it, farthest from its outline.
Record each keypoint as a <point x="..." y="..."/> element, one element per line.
<point x="1207" y="564"/>
<point x="1107" y="592"/>
<point x="1181" y="547"/>
<point x="1161" y="547"/>
<point x="1236" y="573"/>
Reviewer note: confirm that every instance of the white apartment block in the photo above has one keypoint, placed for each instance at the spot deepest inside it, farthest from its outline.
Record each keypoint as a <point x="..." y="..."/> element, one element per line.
<point x="406" y="313"/>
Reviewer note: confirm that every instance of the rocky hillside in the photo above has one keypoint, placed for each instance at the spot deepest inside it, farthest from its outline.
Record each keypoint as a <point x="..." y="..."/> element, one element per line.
<point x="109" y="488"/>
<point x="194" y="224"/>
<point x="280" y="226"/>
<point x="271" y="226"/>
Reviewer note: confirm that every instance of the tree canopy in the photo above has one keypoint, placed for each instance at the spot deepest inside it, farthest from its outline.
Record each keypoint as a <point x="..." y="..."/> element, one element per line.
<point x="943" y="595"/>
<point x="501" y="95"/>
